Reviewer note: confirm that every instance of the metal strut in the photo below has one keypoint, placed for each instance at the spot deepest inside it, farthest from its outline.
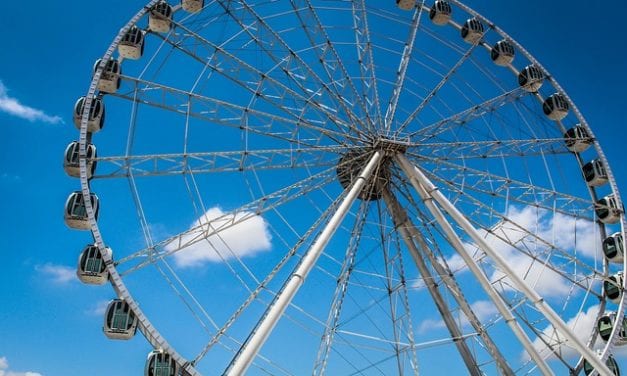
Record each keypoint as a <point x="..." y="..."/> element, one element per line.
<point x="401" y="222"/>
<point x="410" y="232"/>
<point x="246" y="354"/>
<point x="429" y="192"/>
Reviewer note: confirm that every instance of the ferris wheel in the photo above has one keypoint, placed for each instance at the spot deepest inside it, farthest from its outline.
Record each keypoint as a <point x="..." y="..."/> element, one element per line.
<point x="345" y="188"/>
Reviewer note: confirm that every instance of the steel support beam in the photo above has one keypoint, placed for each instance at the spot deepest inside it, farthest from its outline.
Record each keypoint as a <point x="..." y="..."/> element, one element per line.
<point x="247" y="353"/>
<point x="449" y="281"/>
<point x="401" y="224"/>
<point x="425" y="187"/>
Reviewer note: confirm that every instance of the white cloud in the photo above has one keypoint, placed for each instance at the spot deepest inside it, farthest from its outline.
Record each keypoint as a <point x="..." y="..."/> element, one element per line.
<point x="57" y="274"/>
<point x="567" y="233"/>
<point x="485" y="311"/>
<point x="10" y="178"/>
<point x="98" y="309"/>
<point x="582" y="325"/>
<point x="246" y="238"/>
<point x="5" y="371"/>
<point x="13" y="107"/>
<point x="430" y="324"/>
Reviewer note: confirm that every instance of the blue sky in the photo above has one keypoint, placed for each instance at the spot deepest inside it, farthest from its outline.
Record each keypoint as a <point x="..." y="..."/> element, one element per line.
<point x="49" y="323"/>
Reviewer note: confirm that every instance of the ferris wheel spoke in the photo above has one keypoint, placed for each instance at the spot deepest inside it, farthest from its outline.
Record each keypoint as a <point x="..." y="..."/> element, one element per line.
<point x="262" y="330"/>
<point x="367" y="66"/>
<point x="331" y="61"/>
<point x="215" y="111"/>
<point x="202" y="231"/>
<point x="402" y="68"/>
<point x="254" y="81"/>
<point x="417" y="252"/>
<point x="339" y="295"/>
<point x="467" y="179"/>
<point x="567" y="267"/>
<point x="429" y="245"/>
<point x="215" y="162"/>
<point x="295" y="67"/>
<point x="400" y="313"/>
<point x="517" y="148"/>
<point x="426" y="193"/>
<point x="520" y="284"/>
<point x="463" y="117"/>
<point x="404" y="322"/>
<point x="437" y="88"/>
<point x="263" y="285"/>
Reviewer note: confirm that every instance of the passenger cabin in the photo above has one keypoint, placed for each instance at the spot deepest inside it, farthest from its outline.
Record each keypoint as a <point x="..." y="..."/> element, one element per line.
<point x="472" y="31"/>
<point x="91" y="267"/>
<point x="120" y="321"/>
<point x="530" y="78"/>
<point x="613" y="286"/>
<point x="594" y="173"/>
<point x="160" y="363"/>
<point x="577" y="139"/>
<point x="606" y="324"/>
<point x="440" y="13"/>
<point x="610" y="362"/>
<point x="502" y="53"/>
<point x="607" y="210"/>
<point x="160" y="17"/>
<point x="406" y="4"/>
<point x="76" y="212"/>
<point x="192" y="6"/>
<point x="95" y="120"/>
<point x="555" y="107"/>
<point x="132" y="44"/>
<point x="110" y="77"/>
<point x="613" y="248"/>
<point x="71" y="162"/>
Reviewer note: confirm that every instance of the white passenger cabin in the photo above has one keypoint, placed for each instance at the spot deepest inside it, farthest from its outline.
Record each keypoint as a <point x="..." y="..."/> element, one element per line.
<point x="577" y="139"/>
<point x="555" y="107"/>
<point x="160" y="17"/>
<point x="132" y="44"/>
<point x="606" y="324"/>
<point x="192" y="6"/>
<point x="607" y="210"/>
<point x="531" y="78"/>
<point x="502" y="53"/>
<point x="76" y="212"/>
<point x="120" y="321"/>
<point x="472" y="31"/>
<point x="110" y="77"/>
<point x="594" y="173"/>
<point x="613" y="286"/>
<point x="610" y="362"/>
<point x="613" y="248"/>
<point x="440" y="13"/>
<point x="71" y="162"/>
<point x="91" y="268"/>
<point x="96" y="117"/>
<point x="160" y="363"/>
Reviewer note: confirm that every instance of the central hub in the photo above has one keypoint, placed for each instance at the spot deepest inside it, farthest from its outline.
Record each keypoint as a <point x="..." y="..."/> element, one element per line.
<point x="354" y="161"/>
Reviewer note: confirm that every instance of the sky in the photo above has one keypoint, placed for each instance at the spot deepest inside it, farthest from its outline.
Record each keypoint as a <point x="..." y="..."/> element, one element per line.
<point x="49" y="322"/>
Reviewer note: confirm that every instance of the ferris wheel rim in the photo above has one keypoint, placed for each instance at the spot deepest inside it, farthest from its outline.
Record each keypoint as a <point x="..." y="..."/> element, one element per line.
<point x="160" y="342"/>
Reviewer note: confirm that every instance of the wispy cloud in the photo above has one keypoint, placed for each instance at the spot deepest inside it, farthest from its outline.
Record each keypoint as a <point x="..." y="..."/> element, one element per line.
<point x="567" y="233"/>
<point x="12" y="106"/>
<point x="10" y="178"/>
<point x="483" y="309"/>
<point x="98" y="309"/>
<point x="582" y="325"/>
<point x="57" y="274"/>
<point x="247" y="237"/>
<point x="5" y="371"/>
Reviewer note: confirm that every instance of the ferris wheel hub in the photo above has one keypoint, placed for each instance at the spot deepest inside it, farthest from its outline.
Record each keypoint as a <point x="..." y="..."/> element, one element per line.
<point x="391" y="146"/>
